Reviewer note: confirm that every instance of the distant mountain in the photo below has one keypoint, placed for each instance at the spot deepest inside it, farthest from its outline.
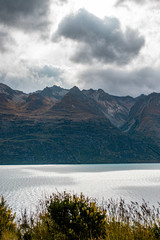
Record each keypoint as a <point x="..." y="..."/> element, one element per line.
<point x="144" y="117"/>
<point x="9" y="98"/>
<point x="10" y="94"/>
<point x="116" y="109"/>
<point x="55" y="92"/>
<point x="59" y="125"/>
<point x="56" y="102"/>
<point x="76" y="105"/>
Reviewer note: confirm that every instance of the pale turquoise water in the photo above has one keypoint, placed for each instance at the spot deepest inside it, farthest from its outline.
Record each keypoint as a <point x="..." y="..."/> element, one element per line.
<point x="23" y="186"/>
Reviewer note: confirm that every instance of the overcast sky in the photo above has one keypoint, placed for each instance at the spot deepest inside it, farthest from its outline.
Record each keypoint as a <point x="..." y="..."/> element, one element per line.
<point x="113" y="45"/>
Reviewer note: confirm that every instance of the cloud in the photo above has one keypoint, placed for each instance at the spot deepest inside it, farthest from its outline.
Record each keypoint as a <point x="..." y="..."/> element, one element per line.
<point x="122" y="82"/>
<point x="120" y="2"/>
<point x="47" y="71"/>
<point x="29" y="79"/>
<point x="99" y="40"/>
<point x="60" y="2"/>
<point x="30" y="15"/>
<point x="5" y="41"/>
<point x="113" y="80"/>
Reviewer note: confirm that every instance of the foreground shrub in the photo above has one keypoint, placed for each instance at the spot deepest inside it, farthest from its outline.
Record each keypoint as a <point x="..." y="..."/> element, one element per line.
<point x="77" y="216"/>
<point x="7" y="224"/>
<point x="67" y="217"/>
<point x="132" y="221"/>
<point x="46" y="229"/>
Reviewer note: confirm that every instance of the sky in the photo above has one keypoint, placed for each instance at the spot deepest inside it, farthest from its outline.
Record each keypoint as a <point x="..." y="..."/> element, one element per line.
<point x="112" y="45"/>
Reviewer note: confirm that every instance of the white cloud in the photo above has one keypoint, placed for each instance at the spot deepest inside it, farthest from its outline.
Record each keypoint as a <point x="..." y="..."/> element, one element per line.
<point x="32" y="78"/>
<point x="122" y="82"/>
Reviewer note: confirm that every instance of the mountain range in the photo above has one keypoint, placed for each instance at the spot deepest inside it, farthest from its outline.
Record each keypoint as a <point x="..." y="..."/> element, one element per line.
<point x="57" y="125"/>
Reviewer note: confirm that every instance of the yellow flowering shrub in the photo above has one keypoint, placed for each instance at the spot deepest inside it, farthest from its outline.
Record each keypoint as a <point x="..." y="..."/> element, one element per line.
<point x="77" y="216"/>
<point x="7" y="223"/>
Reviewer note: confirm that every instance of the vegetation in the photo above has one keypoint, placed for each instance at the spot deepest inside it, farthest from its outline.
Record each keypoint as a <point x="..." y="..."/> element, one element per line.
<point x="7" y="225"/>
<point x="68" y="142"/>
<point x="66" y="217"/>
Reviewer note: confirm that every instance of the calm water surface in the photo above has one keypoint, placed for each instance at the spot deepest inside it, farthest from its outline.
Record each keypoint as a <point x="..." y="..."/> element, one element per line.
<point x="23" y="186"/>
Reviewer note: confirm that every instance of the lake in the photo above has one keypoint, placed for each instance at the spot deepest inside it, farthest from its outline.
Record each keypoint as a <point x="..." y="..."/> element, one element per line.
<point x="23" y="186"/>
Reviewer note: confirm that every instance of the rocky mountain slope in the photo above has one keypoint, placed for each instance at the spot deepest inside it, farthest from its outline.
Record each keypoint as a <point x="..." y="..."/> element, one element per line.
<point x="59" y="125"/>
<point x="144" y="117"/>
<point x="50" y="100"/>
<point x="116" y="109"/>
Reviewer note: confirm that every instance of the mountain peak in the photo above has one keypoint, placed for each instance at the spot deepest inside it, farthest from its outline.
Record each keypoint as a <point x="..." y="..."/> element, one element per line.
<point x="100" y="90"/>
<point x="75" y="89"/>
<point x="9" y="92"/>
<point x="4" y="88"/>
<point x="54" y="92"/>
<point x="76" y="92"/>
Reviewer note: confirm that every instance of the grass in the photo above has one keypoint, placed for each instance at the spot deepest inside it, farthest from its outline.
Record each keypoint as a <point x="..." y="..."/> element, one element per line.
<point x="75" y="217"/>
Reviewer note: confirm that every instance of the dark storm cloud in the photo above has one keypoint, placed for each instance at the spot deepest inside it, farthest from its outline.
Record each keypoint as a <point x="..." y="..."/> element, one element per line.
<point x="119" y="2"/>
<point x="101" y="40"/>
<point x="121" y="82"/>
<point x="5" y="41"/>
<point x="29" y="15"/>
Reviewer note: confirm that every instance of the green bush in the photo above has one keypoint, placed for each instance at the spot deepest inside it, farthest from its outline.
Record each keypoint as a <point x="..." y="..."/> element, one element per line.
<point x="7" y="224"/>
<point x="77" y="216"/>
<point x="46" y="229"/>
<point x="67" y="217"/>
